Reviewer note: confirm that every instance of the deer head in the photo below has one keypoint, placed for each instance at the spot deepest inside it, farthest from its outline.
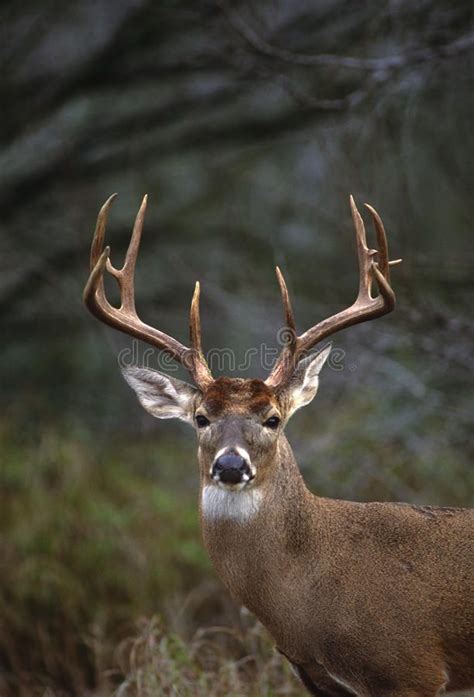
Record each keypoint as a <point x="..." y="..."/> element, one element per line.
<point x="239" y="422"/>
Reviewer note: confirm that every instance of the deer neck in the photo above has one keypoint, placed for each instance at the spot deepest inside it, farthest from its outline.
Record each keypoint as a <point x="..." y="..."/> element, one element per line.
<point x="256" y="535"/>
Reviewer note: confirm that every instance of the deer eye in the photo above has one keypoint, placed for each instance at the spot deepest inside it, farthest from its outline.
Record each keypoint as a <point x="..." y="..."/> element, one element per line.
<point x="202" y="421"/>
<point x="272" y="422"/>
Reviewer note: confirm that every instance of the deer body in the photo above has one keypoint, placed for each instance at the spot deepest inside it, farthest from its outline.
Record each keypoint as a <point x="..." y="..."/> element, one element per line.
<point x="365" y="599"/>
<point x="353" y="594"/>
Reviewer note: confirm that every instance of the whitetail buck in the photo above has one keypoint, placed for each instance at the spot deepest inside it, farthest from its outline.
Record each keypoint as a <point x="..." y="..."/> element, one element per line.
<point x="367" y="599"/>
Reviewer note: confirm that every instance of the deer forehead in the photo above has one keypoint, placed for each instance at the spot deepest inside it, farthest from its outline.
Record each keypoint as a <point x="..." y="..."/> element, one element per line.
<point x="238" y="395"/>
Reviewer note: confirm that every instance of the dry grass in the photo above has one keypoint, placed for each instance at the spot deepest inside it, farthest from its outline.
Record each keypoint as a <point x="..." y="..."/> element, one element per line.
<point x="216" y="661"/>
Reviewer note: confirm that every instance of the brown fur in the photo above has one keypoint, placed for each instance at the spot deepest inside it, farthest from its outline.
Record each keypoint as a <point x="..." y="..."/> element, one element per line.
<point x="232" y="393"/>
<point x="379" y="595"/>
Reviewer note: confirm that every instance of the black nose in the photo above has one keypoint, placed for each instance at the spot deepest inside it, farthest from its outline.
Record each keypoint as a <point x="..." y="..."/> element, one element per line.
<point x="230" y="468"/>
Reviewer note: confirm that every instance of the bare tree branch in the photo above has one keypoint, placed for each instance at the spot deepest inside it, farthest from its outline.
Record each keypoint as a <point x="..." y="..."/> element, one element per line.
<point x="328" y="60"/>
<point x="348" y="101"/>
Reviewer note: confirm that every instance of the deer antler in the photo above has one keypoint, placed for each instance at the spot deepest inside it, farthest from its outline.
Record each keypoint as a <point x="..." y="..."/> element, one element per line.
<point x="125" y="317"/>
<point x="364" y="308"/>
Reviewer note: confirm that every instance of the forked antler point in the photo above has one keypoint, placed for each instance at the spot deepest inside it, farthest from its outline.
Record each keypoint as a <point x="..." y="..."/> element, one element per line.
<point x="364" y="308"/>
<point x="125" y="317"/>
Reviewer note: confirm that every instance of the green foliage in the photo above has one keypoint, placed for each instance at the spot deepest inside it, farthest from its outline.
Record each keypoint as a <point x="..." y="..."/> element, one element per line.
<point x="357" y="450"/>
<point x="90" y="541"/>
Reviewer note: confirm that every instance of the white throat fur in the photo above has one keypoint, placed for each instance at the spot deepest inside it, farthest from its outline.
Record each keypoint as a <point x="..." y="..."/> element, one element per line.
<point x="217" y="502"/>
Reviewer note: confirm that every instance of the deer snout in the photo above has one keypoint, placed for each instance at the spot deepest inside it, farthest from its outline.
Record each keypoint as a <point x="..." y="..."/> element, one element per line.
<point x="231" y="468"/>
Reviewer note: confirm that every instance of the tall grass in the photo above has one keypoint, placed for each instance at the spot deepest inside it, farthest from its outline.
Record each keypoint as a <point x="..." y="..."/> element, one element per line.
<point x="217" y="661"/>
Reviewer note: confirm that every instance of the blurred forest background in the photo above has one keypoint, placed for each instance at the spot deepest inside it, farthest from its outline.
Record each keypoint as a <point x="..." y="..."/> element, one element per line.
<point x="248" y="125"/>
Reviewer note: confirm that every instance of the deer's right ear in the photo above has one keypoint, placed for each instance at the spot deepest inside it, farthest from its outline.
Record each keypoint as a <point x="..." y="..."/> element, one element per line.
<point x="161" y="395"/>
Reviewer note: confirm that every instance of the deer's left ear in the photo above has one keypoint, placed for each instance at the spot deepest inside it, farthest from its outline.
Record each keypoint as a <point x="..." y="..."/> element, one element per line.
<point x="303" y="385"/>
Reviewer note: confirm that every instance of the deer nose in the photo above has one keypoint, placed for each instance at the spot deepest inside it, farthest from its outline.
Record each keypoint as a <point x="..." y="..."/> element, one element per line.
<point x="231" y="468"/>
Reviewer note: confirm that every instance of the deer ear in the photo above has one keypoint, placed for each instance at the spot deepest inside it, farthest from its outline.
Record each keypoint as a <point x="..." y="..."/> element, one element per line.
<point x="303" y="385"/>
<point x="162" y="396"/>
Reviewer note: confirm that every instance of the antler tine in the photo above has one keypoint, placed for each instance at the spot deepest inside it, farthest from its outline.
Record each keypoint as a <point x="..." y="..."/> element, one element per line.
<point x="94" y="293"/>
<point x="382" y="246"/>
<point x="287" y="335"/>
<point x="381" y="269"/>
<point x="126" y="275"/>
<point x="364" y="308"/>
<point x="385" y="289"/>
<point x="195" y="320"/>
<point x="128" y="269"/>
<point x="125" y="317"/>
<point x="133" y="247"/>
<point x="199" y="362"/>
<point x="99" y="233"/>
<point x="364" y="254"/>
<point x="288" y="310"/>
